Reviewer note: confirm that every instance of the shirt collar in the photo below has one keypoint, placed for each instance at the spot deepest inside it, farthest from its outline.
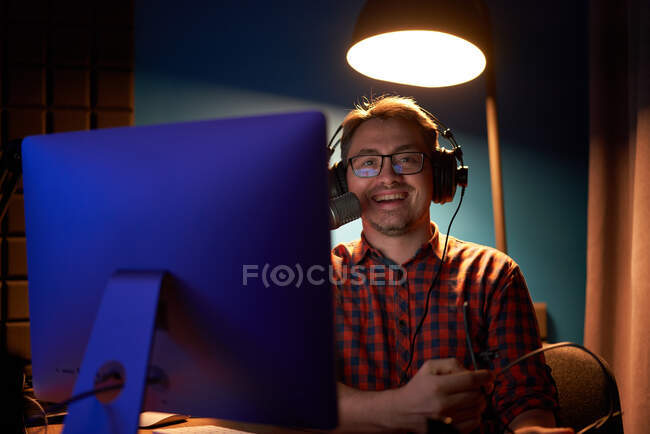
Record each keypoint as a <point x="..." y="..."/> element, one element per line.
<point x="360" y="250"/>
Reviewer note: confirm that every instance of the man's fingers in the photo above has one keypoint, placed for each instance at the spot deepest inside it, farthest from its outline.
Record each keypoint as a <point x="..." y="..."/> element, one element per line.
<point x="466" y="414"/>
<point x="464" y="381"/>
<point x="540" y="430"/>
<point x="462" y="401"/>
<point x="442" y="366"/>
<point x="467" y="426"/>
<point x="470" y="411"/>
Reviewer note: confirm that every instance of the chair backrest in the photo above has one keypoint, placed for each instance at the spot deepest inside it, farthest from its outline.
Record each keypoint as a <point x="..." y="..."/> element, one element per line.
<point x="583" y="390"/>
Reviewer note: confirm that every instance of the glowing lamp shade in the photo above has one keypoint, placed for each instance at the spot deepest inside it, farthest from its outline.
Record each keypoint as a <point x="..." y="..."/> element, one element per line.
<point x="417" y="57"/>
<point x="428" y="43"/>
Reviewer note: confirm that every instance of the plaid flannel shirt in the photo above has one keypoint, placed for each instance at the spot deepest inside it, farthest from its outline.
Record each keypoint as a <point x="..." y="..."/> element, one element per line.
<point x="378" y="305"/>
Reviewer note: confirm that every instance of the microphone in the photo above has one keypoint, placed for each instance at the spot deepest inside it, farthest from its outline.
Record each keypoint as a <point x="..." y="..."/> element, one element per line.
<point x="344" y="209"/>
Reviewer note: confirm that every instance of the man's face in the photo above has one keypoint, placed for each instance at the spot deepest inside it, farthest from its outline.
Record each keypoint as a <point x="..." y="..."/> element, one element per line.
<point x="410" y="195"/>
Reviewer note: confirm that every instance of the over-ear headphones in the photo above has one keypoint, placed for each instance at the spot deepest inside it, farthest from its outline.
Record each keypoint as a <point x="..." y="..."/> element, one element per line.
<point x="448" y="168"/>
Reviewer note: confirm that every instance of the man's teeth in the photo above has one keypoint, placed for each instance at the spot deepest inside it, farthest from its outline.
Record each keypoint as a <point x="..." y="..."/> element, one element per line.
<point x="390" y="197"/>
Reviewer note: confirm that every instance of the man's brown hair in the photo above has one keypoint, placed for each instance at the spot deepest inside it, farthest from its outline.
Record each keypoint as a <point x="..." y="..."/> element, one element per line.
<point x="387" y="107"/>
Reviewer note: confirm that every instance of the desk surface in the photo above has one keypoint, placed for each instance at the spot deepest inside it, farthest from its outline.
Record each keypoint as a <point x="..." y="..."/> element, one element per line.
<point x="251" y="427"/>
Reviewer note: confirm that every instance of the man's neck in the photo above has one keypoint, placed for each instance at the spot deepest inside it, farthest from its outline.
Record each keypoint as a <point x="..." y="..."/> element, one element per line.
<point x="399" y="248"/>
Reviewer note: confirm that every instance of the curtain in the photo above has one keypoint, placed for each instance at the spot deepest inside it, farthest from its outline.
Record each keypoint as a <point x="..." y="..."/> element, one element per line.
<point x="617" y="317"/>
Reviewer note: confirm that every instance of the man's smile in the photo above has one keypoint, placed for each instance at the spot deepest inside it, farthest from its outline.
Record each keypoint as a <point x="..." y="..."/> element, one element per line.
<point x="389" y="199"/>
<point x="384" y="197"/>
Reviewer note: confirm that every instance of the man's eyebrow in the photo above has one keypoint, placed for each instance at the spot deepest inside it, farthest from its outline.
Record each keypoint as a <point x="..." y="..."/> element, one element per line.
<point x="368" y="151"/>
<point x="406" y="147"/>
<point x="398" y="149"/>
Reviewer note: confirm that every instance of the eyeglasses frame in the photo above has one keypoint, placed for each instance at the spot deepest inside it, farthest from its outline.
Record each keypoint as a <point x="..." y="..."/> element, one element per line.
<point x="381" y="165"/>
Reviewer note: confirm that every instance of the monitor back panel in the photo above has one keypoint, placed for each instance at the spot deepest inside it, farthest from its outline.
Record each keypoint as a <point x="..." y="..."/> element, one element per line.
<point x="236" y="211"/>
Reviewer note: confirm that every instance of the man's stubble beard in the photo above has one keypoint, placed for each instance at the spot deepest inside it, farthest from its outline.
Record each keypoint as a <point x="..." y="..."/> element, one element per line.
<point x="392" y="229"/>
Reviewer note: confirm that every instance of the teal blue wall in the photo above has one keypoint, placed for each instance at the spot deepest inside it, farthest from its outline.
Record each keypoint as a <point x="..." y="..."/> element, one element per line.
<point x="188" y="69"/>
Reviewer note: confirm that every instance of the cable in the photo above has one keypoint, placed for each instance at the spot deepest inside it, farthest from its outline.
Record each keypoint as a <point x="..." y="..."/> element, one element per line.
<point x="37" y="404"/>
<point x="41" y="409"/>
<point x="331" y="148"/>
<point x="433" y="284"/>
<point x="599" y="422"/>
<point x="153" y="379"/>
<point x="468" y="340"/>
<point x="90" y="393"/>
<point x="596" y="424"/>
<point x="57" y="408"/>
<point x="489" y="412"/>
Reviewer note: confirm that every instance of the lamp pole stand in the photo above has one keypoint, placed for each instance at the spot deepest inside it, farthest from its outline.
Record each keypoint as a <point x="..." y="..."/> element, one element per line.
<point x="495" y="159"/>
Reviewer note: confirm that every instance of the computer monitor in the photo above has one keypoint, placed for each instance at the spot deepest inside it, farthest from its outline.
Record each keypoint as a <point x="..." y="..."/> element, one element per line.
<point x="235" y="211"/>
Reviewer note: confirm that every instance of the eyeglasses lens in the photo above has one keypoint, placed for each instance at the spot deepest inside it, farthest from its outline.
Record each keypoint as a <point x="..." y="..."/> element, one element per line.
<point x="404" y="163"/>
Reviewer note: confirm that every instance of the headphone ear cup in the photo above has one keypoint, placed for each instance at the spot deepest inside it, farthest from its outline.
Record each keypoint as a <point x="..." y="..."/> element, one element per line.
<point x="444" y="175"/>
<point x="337" y="179"/>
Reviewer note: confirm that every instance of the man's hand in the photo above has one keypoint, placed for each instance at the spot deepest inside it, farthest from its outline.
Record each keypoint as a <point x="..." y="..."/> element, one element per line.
<point x="541" y="430"/>
<point x="443" y="390"/>
<point x="537" y="421"/>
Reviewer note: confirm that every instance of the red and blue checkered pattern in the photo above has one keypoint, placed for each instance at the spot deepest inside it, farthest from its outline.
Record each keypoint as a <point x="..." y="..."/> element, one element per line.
<point x="376" y="316"/>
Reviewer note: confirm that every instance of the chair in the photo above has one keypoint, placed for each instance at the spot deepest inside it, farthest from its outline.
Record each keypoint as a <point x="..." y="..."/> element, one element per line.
<point x="583" y="390"/>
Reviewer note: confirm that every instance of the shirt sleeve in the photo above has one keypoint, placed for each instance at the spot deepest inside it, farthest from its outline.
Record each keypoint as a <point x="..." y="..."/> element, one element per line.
<point x="513" y="332"/>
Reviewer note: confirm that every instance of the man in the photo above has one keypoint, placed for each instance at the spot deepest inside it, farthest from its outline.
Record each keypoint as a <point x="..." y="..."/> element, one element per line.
<point x="381" y="287"/>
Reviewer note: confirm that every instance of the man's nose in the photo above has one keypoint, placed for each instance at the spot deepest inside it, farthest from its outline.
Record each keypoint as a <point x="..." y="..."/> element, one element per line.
<point x="387" y="174"/>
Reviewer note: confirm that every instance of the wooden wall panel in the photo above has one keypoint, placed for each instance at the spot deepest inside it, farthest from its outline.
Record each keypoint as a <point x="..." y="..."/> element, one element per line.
<point x="65" y="65"/>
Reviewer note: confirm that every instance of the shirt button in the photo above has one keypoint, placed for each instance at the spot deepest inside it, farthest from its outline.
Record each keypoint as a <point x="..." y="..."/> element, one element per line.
<point x="402" y="325"/>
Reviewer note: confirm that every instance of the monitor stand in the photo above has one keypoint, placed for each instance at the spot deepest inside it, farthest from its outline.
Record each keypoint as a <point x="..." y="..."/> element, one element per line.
<point x="118" y="352"/>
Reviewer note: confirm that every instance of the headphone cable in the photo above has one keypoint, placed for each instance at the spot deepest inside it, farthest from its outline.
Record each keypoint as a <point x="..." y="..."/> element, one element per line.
<point x="433" y="284"/>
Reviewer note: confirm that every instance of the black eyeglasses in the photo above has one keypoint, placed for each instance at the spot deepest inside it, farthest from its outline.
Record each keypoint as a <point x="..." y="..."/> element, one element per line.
<point x="403" y="163"/>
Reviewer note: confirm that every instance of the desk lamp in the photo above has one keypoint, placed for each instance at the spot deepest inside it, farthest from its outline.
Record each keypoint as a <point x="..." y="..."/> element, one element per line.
<point x="433" y="43"/>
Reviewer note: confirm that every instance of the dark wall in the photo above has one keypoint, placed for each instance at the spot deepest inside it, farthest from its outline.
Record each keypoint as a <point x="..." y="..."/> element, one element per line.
<point x="202" y="59"/>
